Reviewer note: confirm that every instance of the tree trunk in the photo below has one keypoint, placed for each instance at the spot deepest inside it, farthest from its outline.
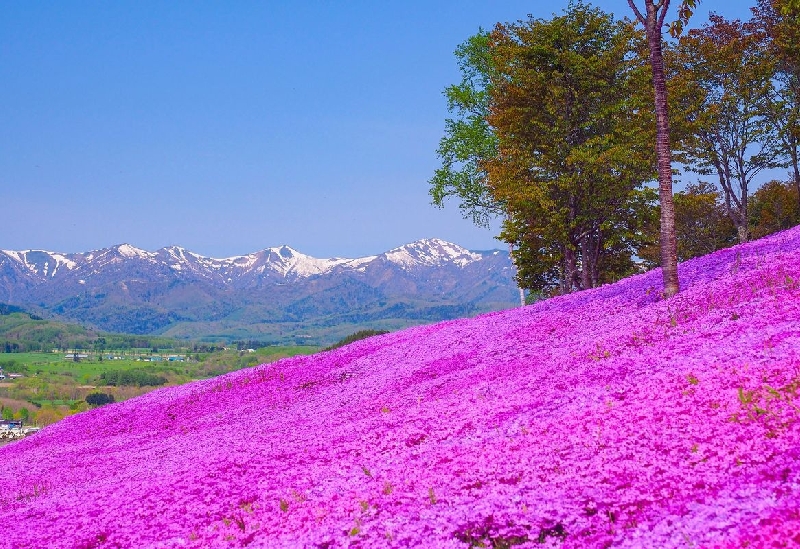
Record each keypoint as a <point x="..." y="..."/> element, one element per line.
<point x="669" y="245"/>
<point x="597" y="248"/>
<point x="586" y="269"/>
<point x="513" y="262"/>
<point x="796" y="170"/>
<point x="743" y="232"/>
<point x="570" y="270"/>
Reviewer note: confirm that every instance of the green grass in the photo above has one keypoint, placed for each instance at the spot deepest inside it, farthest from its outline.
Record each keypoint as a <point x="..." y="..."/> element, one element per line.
<point x="55" y="387"/>
<point x="28" y="359"/>
<point x="41" y="370"/>
<point x="59" y="402"/>
<point x="87" y="371"/>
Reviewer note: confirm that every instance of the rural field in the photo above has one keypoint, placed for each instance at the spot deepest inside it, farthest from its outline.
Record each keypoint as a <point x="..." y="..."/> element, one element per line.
<point x="605" y="418"/>
<point x="52" y="387"/>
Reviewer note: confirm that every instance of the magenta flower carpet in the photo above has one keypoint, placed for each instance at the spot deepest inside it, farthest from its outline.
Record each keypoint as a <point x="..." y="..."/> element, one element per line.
<point x="608" y="418"/>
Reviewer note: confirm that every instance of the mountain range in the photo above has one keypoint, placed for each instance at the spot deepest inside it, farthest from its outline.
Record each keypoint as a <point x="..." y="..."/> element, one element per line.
<point x="274" y="295"/>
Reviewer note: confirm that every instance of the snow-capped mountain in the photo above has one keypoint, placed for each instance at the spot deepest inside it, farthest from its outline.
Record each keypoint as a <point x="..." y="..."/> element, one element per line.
<point x="124" y="288"/>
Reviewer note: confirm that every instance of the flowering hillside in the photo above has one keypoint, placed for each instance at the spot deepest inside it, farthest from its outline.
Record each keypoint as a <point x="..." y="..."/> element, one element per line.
<point x="608" y="418"/>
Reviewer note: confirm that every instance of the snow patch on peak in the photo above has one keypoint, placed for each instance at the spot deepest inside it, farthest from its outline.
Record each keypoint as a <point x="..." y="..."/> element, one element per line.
<point x="431" y="252"/>
<point x="62" y="260"/>
<point x="182" y="254"/>
<point x="16" y="256"/>
<point x="283" y="260"/>
<point x="286" y="252"/>
<point x="41" y="262"/>
<point x="127" y="250"/>
<point x="288" y="261"/>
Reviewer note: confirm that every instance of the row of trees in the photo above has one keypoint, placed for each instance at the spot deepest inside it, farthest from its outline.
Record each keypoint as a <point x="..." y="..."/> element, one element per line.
<point x="39" y="415"/>
<point x="555" y="125"/>
<point x="702" y="224"/>
<point x="138" y="377"/>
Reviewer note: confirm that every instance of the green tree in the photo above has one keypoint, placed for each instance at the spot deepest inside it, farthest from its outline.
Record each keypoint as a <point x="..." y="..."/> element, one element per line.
<point x="774" y="207"/>
<point x="23" y="414"/>
<point x="701" y="224"/>
<point x="99" y="399"/>
<point x="779" y="21"/>
<point x="723" y="66"/>
<point x="468" y="139"/>
<point x="568" y="106"/>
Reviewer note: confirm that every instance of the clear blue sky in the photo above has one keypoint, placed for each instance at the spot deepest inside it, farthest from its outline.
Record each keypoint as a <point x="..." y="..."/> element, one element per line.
<point x="228" y="127"/>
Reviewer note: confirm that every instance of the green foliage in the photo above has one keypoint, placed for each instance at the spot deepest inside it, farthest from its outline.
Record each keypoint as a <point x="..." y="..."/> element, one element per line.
<point x="222" y="362"/>
<point x="779" y="22"/>
<point x="685" y="10"/>
<point x="569" y="106"/>
<point x="137" y="377"/>
<point x="774" y="207"/>
<point x="468" y="139"/>
<point x="25" y="333"/>
<point x="99" y="399"/>
<point x="362" y="334"/>
<point x="701" y="225"/>
<point x="726" y="79"/>
<point x="6" y="309"/>
<point x="12" y="366"/>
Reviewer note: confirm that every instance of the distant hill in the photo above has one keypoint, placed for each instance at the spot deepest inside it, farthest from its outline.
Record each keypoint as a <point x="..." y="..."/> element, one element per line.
<point x="276" y="294"/>
<point x="22" y="332"/>
<point x="6" y="309"/>
<point x="19" y="333"/>
<point x="607" y="418"/>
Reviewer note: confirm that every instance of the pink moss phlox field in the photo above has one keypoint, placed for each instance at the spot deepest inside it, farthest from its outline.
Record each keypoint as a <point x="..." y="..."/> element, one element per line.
<point x="608" y="418"/>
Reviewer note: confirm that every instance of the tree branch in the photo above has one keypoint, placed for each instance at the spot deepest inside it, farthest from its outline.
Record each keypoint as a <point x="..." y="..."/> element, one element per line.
<point x="664" y="5"/>
<point x="639" y="15"/>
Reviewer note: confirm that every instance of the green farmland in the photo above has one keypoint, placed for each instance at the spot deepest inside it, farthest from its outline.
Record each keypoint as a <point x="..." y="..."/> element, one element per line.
<point x="43" y="387"/>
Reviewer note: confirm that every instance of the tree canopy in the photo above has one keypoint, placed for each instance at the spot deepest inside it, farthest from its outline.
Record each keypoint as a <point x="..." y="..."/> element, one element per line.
<point x="723" y="68"/>
<point x="468" y="139"/>
<point x="569" y="110"/>
<point x="559" y="123"/>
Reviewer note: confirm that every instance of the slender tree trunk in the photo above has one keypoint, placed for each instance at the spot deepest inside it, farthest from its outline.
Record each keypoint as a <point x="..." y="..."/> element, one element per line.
<point x="596" y="253"/>
<point x="570" y="268"/>
<point x="796" y="170"/>
<point x="521" y="290"/>
<point x="744" y="228"/>
<point x="669" y="243"/>
<point x="586" y="279"/>
<point x="743" y="233"/>
<point x="653" y="22"/>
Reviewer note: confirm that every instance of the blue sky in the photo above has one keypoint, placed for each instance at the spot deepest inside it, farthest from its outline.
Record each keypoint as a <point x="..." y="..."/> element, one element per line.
<point x="228" y="127"/>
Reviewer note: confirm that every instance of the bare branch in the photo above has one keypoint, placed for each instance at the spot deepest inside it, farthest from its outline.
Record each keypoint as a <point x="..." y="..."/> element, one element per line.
<point x="639" y="15"/>
<point x="664" y="5"/>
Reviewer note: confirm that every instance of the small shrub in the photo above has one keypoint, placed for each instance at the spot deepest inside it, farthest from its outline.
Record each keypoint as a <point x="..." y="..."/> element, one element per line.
<point x="363" y="334"/>
<point x="99" y="399"/>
